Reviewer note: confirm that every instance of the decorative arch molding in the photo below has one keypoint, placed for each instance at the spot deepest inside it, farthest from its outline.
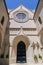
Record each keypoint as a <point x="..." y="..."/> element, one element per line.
<point x="17" y="40"/>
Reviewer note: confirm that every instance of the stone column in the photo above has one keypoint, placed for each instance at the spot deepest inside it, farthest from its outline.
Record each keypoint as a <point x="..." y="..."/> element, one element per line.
<point x="10" y="52"/>
<point x="42" y="52"/>
<point x="33" y="48"/>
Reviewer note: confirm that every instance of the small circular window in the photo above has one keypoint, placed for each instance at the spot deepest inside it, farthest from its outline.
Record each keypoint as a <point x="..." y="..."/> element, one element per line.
<point x="21" y="15"/>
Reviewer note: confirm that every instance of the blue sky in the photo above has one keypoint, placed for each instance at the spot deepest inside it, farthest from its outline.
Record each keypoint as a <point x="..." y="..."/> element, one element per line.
<point x="30" y="4"/>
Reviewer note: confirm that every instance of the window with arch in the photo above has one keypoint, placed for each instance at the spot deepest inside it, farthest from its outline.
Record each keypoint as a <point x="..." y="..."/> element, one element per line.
<point x="40" y="21"/>
<point x="2" y="20"/>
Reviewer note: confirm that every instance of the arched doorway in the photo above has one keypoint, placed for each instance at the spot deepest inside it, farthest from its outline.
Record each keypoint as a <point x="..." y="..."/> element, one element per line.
<point x="21" y="52"/>
<point x="16" y="41"/>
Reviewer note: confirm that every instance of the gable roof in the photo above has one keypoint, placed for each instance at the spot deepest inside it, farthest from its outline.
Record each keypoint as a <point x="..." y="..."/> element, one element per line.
<point x="21" y="7"/>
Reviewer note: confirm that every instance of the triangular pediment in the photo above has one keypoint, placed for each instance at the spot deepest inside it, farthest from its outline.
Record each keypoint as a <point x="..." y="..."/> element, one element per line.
<point x="22" y="8"/>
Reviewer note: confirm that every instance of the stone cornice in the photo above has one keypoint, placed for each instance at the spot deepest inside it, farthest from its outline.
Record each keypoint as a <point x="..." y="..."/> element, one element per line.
<point x="25" y="29"/>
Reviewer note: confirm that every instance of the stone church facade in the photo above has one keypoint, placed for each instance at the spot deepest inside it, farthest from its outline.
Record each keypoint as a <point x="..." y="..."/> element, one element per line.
<point x="21" y="34"/>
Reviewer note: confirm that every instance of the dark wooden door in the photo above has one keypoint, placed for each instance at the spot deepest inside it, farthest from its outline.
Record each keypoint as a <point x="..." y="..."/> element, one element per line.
<point x="21" y="52"/>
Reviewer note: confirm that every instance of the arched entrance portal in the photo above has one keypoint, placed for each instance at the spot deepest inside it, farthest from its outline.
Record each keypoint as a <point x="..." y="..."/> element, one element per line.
<point x="21" y="52"/>
<point x="17" y="40"/>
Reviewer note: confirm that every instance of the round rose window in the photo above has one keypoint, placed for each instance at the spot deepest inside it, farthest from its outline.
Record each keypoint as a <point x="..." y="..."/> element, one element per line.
<point x="21" y="15"/>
